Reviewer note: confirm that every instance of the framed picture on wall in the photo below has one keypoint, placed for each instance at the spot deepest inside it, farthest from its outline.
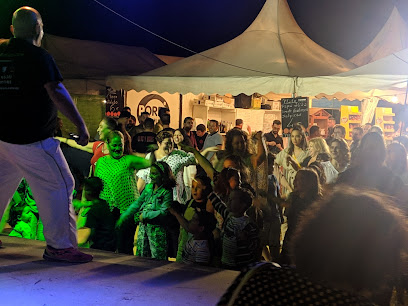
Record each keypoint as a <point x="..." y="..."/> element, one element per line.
<point x="276" y="106"/>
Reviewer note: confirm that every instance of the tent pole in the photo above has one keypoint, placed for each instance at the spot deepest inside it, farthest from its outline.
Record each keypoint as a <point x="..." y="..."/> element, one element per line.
<point x="405" y="106"/>
<point x="181" y="109"/>
<point x="294" y="87"/>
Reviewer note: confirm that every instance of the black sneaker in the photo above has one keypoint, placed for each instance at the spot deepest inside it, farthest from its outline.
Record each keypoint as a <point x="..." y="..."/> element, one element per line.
<point x="68" y="255"/>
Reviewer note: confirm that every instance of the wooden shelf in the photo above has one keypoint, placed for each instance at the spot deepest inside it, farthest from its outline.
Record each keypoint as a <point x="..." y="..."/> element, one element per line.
<point x="347" y="112"/>
<point x="384" y="118"/>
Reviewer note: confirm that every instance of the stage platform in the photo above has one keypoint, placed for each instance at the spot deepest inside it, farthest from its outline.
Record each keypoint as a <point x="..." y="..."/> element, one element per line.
<point x="110" y="279"/>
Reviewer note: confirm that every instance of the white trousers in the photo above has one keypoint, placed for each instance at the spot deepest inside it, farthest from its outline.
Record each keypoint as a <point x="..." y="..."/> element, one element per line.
<point x="44" y="167"/>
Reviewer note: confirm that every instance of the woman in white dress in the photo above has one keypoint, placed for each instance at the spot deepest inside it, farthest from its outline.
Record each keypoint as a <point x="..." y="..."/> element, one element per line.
<point x="291" y="158"/>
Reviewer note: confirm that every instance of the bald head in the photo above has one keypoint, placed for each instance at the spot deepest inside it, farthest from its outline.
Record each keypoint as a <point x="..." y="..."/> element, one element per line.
<point x="27" y="24"/>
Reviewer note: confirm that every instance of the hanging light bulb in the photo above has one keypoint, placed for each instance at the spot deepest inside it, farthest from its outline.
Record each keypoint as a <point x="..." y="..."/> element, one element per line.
<point x="394" y="99"/>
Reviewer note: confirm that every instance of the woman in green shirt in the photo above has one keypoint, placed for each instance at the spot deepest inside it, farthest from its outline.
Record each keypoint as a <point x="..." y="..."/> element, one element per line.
<point x="118" y="173"/>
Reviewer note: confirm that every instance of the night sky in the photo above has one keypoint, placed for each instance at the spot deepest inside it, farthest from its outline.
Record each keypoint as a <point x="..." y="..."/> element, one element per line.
<point x="344" y="27"/>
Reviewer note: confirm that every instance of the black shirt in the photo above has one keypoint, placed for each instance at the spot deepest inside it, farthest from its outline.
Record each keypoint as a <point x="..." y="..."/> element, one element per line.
<point x="101" y="221"/>
<point x="200" y="140"/>
<point x="271" y="137"/>
<point x="141" y="141"/>
<point x="24" y="70"/>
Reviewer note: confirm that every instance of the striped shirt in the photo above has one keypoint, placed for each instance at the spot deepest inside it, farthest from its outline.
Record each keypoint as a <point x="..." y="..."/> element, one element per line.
<point x="240" y="238"/>
<point x="196" y="251"/>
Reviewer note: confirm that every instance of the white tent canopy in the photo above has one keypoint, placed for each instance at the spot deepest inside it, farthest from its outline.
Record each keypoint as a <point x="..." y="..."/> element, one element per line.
<point x="383" y="78"/>
<point x="392" y="38"/>
<point x="267" y="57"/>
<point x="85" y="64"/>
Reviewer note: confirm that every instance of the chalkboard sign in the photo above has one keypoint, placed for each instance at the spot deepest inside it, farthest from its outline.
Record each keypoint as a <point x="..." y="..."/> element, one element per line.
<point x="115" y="101"/>
<point x="294" y="110"/>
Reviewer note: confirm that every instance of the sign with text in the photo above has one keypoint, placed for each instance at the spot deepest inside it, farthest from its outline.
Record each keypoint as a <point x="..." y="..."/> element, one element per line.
<point x="115" y="101"/>
<point x="151" y="102"/>
<point x="294" y="110"/>
<point x="8" y="78"/>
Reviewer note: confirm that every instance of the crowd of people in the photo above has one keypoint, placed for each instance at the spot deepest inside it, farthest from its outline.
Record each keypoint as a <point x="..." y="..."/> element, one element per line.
<point x="199" y="198"/>
<point x="332" y="214"/>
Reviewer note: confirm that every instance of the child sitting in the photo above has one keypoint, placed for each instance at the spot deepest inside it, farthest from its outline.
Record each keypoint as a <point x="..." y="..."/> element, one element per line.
<point x="198" y="248"/>
<point x="99" y="227"/>
<point x="153" y="206"/>
<point x="201" y="188"/>
<point x="240" y="237"/>
<point x="19" y="219"/>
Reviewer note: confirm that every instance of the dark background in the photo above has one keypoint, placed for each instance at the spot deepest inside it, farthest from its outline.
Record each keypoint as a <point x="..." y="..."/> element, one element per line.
<point x="344" y="27"/>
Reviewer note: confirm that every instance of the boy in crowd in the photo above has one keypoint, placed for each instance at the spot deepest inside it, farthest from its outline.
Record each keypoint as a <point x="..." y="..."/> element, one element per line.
<point x="200" y="227"/>
<point x="240" y="238"/>
<point x="99" y="227"/>
<point x="200" y="136"/>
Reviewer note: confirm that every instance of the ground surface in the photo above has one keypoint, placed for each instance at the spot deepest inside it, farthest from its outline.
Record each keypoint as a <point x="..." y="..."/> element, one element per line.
<point x="111" y="279"/>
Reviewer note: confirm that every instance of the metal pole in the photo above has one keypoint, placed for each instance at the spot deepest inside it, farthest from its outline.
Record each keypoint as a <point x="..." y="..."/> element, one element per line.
<point x="405" y="105"/>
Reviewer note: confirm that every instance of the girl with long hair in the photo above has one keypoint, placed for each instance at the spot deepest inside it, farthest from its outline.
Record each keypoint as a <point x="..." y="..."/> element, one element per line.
<point x="340" y="154"/>
<point x="319" y="152"/>
<point x="150" y="209"/>
<point x="291" y="158"/>
<point x="176" y="159"/>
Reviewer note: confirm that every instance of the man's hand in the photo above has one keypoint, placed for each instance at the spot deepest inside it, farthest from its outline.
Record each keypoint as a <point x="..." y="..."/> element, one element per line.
<point x="83" y="136"/>
<point x="63" y="101"/>
<point x="249" y="130"/>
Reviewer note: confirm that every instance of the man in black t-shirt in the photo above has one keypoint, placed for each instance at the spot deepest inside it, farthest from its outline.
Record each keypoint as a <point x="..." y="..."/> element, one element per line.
<point x="273" y="140"/>
<point x="165" y="120"/>
<point x="30" y="84"/>
<point x="142" y="141"/>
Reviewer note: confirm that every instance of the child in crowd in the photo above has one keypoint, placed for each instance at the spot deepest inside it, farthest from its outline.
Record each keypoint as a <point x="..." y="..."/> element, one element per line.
<point x="201" y="188"/>
<point x="307" y="190"/>
<point x="99" y="228"/>
<point x="153" y="206"/>
<point x="272" y="215"/>
<point x="240" y="237"/>
<point x="224" y="182"/>
<point x="198" y="247"/>
<point x="19" y="219"/>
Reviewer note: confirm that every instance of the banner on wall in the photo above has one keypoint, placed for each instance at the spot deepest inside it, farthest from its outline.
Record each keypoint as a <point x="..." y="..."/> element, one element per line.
<point x="115" y="101"/>
<point x="144" y="101"/>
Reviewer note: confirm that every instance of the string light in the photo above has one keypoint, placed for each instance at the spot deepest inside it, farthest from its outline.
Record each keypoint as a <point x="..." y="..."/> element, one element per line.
<point x="180" y="46"/>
